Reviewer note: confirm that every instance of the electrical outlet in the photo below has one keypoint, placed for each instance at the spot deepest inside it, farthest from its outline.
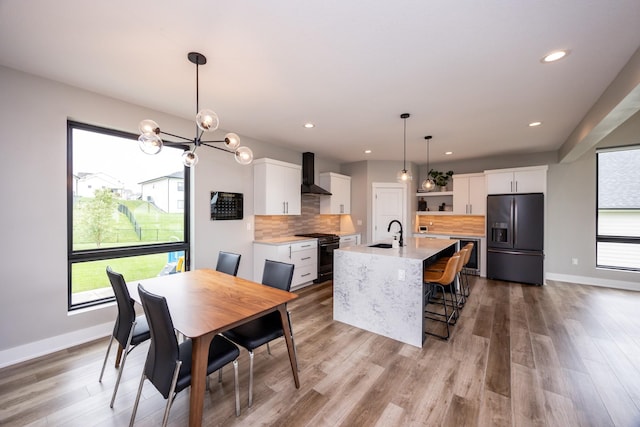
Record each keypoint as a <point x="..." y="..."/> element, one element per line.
<point x="401" y="275"/>
<point x="248" y="226"/>
<point x="359" y="222"/>
<point x="574" y="261"/>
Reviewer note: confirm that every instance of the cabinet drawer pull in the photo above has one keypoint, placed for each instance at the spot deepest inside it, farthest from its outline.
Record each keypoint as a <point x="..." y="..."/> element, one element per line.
<point x="305" y="246"/>
<point x="305" y="258"/>
<point x="307" y="274"/>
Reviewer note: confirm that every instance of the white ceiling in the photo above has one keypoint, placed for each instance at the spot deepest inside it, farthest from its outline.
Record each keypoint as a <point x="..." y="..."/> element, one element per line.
<point x="468" y="71"/>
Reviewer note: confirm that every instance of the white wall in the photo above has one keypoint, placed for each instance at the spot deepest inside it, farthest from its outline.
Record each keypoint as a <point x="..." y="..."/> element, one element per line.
<point x="571" y="225"/>
<point x="33" y="291"/>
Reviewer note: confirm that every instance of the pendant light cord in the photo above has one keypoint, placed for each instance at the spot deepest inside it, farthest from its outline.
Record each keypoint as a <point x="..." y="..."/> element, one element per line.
<point x="404" y="155"/>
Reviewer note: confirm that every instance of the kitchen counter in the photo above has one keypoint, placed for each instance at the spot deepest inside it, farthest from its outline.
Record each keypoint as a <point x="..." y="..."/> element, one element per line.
<point x="283" y="240"/>
<point x="414" y="248"/>
<point x="381" y="290"/>
<point x="446" y="234"/>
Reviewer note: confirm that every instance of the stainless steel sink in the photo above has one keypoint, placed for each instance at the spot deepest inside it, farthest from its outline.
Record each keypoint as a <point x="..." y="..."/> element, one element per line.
<point x="381" y="245"/>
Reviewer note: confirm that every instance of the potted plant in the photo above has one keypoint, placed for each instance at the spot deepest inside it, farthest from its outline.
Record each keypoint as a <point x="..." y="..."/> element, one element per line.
<point x="441" y="179"/>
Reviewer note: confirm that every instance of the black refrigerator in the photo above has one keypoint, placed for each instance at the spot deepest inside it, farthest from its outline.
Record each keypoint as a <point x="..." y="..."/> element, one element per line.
<point x="515" y="237"/>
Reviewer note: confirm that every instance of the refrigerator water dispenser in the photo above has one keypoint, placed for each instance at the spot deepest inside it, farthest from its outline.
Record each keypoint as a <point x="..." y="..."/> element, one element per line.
<point x="499" y="232"/>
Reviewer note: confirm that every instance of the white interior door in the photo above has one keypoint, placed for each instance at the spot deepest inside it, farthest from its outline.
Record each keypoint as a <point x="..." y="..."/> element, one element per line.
<point x="389" y="203"/>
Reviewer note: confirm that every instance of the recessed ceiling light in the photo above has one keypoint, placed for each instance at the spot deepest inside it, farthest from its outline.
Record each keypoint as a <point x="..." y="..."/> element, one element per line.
<point x="554" y="56"/>
<point x="367" y="151"/>
<point x="448" y="153"/>
<point x="309" y="125"/>
<point x="534" y="124"/>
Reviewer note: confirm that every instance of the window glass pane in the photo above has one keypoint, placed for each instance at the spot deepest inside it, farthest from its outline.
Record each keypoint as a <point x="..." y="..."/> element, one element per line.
<point x="123" y="197"/>
<point x="624" y="255"/>
<point x="90" y="282"/>
<point x="624" y="222"/>
<point x="126" y="209"/>
<point x="618" y="227"/>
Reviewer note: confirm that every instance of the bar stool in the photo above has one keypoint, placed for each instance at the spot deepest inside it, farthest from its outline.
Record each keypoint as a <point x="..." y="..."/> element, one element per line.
<point x="444" y="282"/>
<point x="465" y="271"/>
<point x="439" y="266"/>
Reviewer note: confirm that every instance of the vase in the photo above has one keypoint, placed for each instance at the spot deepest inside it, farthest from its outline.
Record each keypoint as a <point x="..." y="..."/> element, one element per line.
<point x="443" y="188"/>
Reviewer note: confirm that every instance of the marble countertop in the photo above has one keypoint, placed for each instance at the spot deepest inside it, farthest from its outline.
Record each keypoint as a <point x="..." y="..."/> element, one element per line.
<point x="415" y="248"/>
<point x="346" y="233"/>
<point x="435" y="234"/>
<point x="284" y="240"/>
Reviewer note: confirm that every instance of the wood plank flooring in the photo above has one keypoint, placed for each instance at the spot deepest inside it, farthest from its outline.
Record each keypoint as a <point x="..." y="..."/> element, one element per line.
<point x="556" y="355"/>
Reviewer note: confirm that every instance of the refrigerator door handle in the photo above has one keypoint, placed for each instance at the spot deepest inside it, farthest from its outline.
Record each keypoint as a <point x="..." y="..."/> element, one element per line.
<point x="514" y="216"/>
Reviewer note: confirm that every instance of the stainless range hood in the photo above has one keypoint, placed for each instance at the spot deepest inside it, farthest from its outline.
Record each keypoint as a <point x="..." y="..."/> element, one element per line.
<point x="308" y="171"/>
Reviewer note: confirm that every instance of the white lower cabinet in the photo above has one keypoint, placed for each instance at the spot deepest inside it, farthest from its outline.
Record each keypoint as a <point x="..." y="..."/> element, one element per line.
<point x="349" y="240"/>
<point x="302" y="254"/>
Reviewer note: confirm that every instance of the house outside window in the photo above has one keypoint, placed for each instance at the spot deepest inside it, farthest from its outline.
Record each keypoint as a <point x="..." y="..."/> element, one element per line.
<point x="618" y="208"/>
<point x="123" y="210"/>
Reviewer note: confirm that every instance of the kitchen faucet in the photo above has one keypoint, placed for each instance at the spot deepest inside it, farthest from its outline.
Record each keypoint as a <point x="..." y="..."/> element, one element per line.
<point x="389" y="229"/>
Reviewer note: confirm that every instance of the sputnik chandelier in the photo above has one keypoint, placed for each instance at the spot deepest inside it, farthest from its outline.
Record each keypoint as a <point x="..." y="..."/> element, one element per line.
<point x="206" y="121"/>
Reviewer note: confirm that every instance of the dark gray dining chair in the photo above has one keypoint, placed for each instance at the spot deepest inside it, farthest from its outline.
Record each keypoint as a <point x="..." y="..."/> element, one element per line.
<point x="267" y="328"/>
<point x="228" y="262"/>
<point x="128" y="330"/>
<point x="168" y="364"/>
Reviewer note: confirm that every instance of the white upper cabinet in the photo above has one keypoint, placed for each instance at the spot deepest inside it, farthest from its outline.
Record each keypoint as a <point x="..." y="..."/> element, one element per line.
<point x="340" y="188"/>
<point x="276" y="187"/>
<point x="469" y="194"/>
<point x="521" y="180"/>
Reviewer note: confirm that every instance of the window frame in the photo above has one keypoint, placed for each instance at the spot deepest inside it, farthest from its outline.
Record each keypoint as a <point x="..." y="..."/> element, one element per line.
<point x="602" y="238"/>
<point x="100" y="254"/>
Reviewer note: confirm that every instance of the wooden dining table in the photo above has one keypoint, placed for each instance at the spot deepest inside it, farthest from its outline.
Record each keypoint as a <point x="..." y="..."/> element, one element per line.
<point x="204" y="302"/>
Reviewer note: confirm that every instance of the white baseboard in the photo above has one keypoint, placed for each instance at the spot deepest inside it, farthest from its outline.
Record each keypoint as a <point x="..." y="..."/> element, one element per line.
<point x="594" y="281"/>
<point x="50" y="345"/>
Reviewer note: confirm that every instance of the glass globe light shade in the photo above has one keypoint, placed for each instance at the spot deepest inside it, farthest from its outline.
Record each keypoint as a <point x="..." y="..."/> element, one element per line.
<point x="189" y="158"/>
<point x="231" y="141"/>
<point x="404" y="176"/>
<point x="244" y="155"/>
<point x="148" y="127"/>
<point x="428" y="184"/>
<point x="150" y="143"/>
<point x="207" y="120"/>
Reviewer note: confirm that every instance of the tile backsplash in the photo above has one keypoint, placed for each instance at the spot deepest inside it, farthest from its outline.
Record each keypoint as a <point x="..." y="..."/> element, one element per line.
<point x="309" y="221"/>
<point x="467" y="224"/>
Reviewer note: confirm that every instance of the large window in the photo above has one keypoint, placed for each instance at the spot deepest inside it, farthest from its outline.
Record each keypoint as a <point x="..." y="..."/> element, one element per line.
<point x="126" y="209"/>
<point x="618" y="215"/>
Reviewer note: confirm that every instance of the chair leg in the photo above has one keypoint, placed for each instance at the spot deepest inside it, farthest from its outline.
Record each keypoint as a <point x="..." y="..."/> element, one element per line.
<point x="237" y="388"/>
<point x="295" y="350"/>
<point x="460" y="291"/>
<point x="220" y="375"/>
<point x="106" y="356"/>
<point x="446" y="316"/>
<point x="250" y="378"/>
<point x="172" y="394"/>
<point x="467" y="290"/>
<point x="118" y="356"/>
<point x="135" y="404"/>
<point x="268" y="349"/>
<point x="124" y="359"/>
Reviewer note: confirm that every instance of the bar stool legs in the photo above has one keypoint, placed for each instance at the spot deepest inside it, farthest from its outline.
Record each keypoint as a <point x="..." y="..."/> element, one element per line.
<point x="443" y="282"/>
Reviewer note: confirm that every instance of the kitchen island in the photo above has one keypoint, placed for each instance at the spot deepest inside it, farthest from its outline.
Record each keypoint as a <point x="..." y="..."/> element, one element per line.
<point x="381" y="290"/>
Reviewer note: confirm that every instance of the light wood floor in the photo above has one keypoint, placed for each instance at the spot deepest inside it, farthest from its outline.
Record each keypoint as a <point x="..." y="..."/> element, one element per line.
<point x="557" y="355"/>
